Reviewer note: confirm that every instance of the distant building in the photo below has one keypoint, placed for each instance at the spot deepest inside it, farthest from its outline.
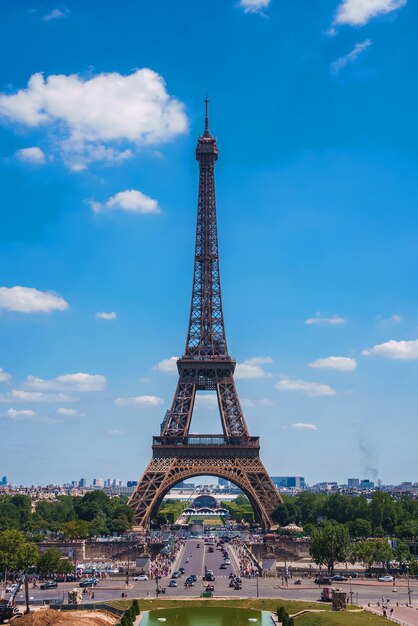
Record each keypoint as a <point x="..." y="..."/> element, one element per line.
<point x="289" y="482"/>
<point x="366" y="484"/>
<point x="97" y="482"/>
<point x="353" y="483"/>
<point x="132" y="483"/>
<point x="222" y="482"/>
<point x="82" y="483"/>
<point x="4" y="480"/>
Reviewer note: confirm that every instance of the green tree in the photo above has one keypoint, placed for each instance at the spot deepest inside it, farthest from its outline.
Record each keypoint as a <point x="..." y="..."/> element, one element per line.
<point x="77" y="529"/>
<point x="329" y="544"/>
<point x="360" y="528"/>
<point x="50" y="562"/>
<point x="16" y="552"/>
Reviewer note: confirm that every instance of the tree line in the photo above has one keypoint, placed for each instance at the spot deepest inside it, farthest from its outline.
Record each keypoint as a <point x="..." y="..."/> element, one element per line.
<point x="71" y="517"/>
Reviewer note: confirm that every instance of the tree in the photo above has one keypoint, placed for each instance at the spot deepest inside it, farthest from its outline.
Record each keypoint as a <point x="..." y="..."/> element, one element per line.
<point x="329" y="544"/>
<point x="360" y="528"/>
<point x="78" y="529"/>
<point x="15" y="552"/>
<point x="49" y="562"/>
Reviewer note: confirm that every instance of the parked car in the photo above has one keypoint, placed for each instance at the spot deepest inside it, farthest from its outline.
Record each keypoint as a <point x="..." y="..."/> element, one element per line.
<point x="322" y="580"/>
<point x="338" y="578"/>
<point x="386" y="579"/>
<point x="176" y="574"/>
<point x="49" y="584"/>
<point x="223" y="566"/>
<point x="89" y="582"/>
<point x="173" y="583"/>
<point x="227" y="561"/>
<point x="182" y="570"/>
<point x="141" y="577"/>
<point x="11" y="588"/>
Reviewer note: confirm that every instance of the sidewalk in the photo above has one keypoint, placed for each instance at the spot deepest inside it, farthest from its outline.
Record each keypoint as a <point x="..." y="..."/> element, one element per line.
<point x="403" y="615"/>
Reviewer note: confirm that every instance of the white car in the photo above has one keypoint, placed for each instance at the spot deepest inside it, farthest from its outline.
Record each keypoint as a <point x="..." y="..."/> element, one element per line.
<point x="12" y="588"/>
<point x="227" y="562"/>
<point x="141" y="577"/>
<point x="386" y="579"/>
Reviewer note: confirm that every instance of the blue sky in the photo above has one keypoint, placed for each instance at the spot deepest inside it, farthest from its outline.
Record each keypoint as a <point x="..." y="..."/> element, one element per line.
<point x="313" y="103"/>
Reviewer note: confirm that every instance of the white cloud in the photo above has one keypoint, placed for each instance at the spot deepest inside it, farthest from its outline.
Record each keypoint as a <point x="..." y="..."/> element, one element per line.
<point x="339" y="64"/>
<point x="263" y="402"/>
<point x="167" y="366"/>
<point x="254" y="6"/>
<point x="340" y="363"/>
<point x="252" y="368"/>
<point x="94" y="119"/>
<point x="140" y="401"/>
<point x="29" y="300"/>
<point x="206" y="401"/>
<point x="400" y="350"/>
<point x="319" y="319"/>
<point x="106" y="316"/>
<point x="131" y="201"/>
<point x="56" y="14"/>
<point x="303" y="426"/>
<point x="19" y="413"/>
<point x="31" y="155"/>
<point x="27" y="415"/>
<point x="115" y="432"/>
<point x="68" y="382"/>
<point x="307" y="388"/>
<point x="67" y="412"/>
<point x="20" y="395"/>
<point x="5" y="377"/>
<point x="389" y="321"/>
<point x="359" y="12"/>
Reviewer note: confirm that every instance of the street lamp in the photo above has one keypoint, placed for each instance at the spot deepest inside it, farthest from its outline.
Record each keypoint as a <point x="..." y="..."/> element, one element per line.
<point x="409" y="588"/>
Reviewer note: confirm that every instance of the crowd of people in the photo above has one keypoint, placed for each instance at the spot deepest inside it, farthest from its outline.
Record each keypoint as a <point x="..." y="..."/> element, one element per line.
<point x="164" y="561"/>
<point x="247" y="564"/>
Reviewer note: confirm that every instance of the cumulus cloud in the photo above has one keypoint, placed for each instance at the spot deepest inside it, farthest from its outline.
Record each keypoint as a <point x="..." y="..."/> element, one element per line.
<point x="5" y="377"/>
<point x="68" y="382"/>
<point x="67" y="412"/>
<point x="56" y="14"/>
<point x="252" y="368"/>
<point x="319" y="319"/>
<point x="254" y="6"/>
<point x="167" y="366"/>
<point x="399" y="350"/>
<point x="27" y="415"/>
<point x="263" y="402"/>
<point x="30" y="300"/>
<point x="131" y="201"/>
<point x="307" y="388"/>
<point x="303" y="426"/>
<point x="339" y="64"/>
<point x="97" y="118"/>
<point x="359" y="12"/>
<point x="106" y="316"/>
<point x="20" y="395"/>
<point x="31" y="155"/>
<point x="140" y="401"/>
<point x="340" y="363"/>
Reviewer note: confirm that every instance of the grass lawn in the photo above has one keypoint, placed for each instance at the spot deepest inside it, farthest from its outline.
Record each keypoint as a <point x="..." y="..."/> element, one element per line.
<point x="325" y="618"/>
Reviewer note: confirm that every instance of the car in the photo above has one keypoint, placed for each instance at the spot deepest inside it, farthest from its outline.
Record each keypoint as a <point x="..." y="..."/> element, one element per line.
<point x="49" y="584"/>
<point x="223" y="566"/>
<point x="141" y="577"/>
<point x="182" y="570"/>
<point x="211" y="549"/>
<point x="12" y="588"/>
<point x="175" y="574"/>
<point x="354" y="575"/>
<point x="89" y="582"/>
<point x="238" y="586"/>
<point x="338" y="578"/>
<point x="209" y="588"/>
<point x="322" y="580"/>
<point x="173" y="583"/>
<point x="193" y="577"/>
<point x="386" y="579"/>
<point x="227" y="561"/>
<point x="209" y="578"/>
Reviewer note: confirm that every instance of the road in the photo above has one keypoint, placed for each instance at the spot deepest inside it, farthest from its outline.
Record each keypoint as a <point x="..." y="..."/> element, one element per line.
<point x="364" y="591"/>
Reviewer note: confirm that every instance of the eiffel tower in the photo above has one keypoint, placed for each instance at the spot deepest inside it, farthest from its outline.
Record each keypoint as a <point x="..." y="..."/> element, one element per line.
<point x="206" y="365"/>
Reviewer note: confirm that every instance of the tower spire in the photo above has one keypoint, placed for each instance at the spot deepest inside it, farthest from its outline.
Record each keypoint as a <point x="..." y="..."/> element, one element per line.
<point x="207" y="116"/>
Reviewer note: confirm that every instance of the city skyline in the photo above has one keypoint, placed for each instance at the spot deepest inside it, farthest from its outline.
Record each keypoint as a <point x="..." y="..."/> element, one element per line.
<point x="316" y="193"/>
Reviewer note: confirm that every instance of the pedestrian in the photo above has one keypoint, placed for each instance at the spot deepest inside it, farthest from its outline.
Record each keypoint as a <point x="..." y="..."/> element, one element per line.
<point x="391" y="612"/>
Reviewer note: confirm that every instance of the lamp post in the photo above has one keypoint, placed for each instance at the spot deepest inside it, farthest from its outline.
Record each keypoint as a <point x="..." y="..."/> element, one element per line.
<point x="409" y="588"/>
<point x="127" y="569"/>
<point x="257" y="583"/>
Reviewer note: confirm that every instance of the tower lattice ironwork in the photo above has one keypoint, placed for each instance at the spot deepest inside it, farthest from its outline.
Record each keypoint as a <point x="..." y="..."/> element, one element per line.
<point x="205" y="365"/>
